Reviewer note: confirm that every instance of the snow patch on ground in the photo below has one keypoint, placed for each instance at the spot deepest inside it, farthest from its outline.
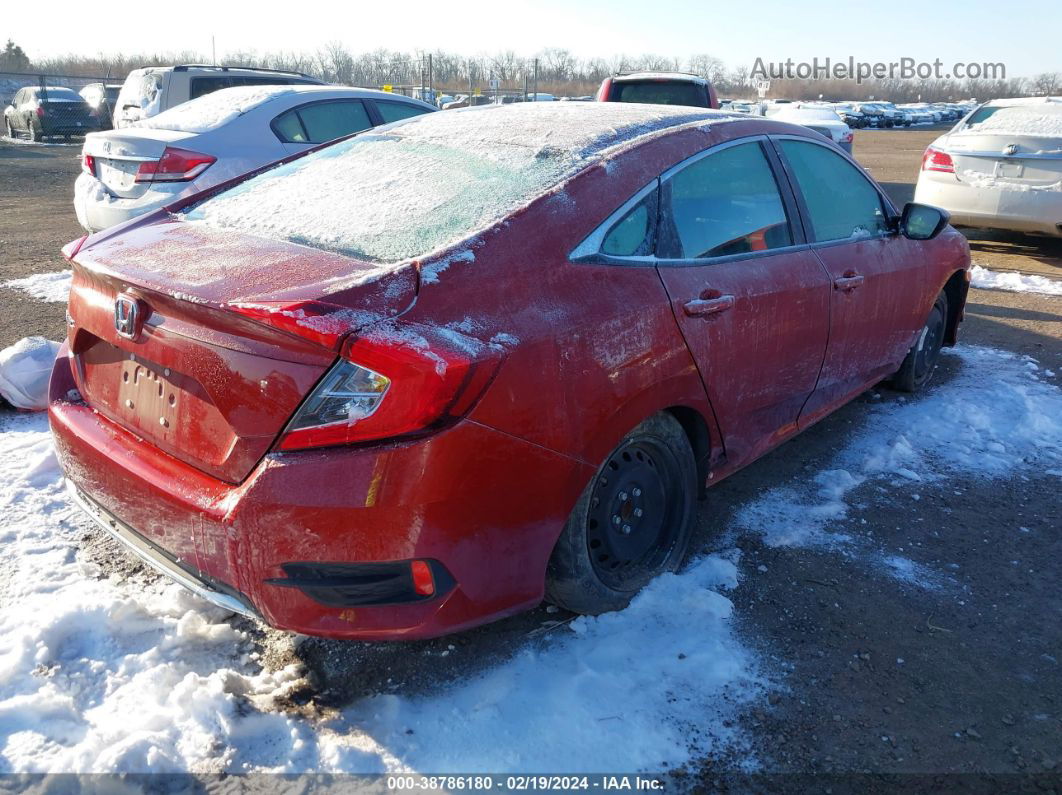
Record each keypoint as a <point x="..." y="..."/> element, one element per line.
<point x="44" y="286"/>
<point x="99" y="674"/>
<point x="994" y="417"/>
<point x="1014" y="282"/>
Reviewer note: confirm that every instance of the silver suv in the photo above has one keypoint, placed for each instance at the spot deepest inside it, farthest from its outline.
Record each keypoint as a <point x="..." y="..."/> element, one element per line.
<point x="153" y="89"/>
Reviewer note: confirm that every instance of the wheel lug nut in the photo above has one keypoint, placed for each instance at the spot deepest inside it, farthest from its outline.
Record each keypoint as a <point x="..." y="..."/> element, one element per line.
<point x="626" y="529"/>
<point x="638" y="512"/>
<point x="623" y="496"/>
<point x="616" y="519"/>
<point x="637" y="492"/>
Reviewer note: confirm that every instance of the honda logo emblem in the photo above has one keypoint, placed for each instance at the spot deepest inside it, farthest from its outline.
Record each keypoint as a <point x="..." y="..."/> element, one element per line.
<point x="127" y="316"/>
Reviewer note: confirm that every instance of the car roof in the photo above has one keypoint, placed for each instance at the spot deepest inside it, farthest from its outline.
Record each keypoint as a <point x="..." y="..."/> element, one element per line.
<point x="1019" y="101"/>
<point x="220" y="108"/>
<point x="580" y="130"/>
<point x="685" y="77"/>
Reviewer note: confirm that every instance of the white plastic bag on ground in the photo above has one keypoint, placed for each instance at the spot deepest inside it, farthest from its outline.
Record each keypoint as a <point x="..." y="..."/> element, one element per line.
<point x="24" y="371"/>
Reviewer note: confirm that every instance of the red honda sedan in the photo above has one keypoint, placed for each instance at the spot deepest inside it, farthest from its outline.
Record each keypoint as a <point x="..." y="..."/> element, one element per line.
<point x="417" y="380"/>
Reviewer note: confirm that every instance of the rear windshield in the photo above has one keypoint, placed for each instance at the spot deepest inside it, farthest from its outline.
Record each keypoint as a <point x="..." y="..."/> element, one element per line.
<point x="1042" y="120"/>
<point x="383" y="198"/>
<point x="661" y="92"/>
<point x="59" y="94"/>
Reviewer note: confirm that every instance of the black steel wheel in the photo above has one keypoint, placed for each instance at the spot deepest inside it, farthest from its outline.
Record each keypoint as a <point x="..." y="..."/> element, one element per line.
<point x="632" y="522"/>
<point x="921" y="360"/>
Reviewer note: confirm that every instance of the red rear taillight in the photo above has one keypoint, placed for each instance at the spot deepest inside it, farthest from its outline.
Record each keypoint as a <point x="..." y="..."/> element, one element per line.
<point x="937" y="160"/>
<point x="175" y="165"/>
<point x="848" y="138"/>
<point x="604" y="90"/>
<point x="423" y="582"/>
<point x="88" y="164"/>
<point x="395" y="380"/>
<point x="40" y="111"/>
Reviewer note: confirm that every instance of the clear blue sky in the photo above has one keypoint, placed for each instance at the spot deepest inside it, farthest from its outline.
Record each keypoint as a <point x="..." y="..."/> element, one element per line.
<point x="1025" y="34"/>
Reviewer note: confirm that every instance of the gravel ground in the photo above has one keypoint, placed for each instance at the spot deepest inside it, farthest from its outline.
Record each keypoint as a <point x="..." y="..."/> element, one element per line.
<point x="980" y="686"/>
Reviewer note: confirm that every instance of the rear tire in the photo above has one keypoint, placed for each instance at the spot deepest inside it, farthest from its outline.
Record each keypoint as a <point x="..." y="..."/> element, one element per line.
<point x="31" y="132"/>
<point x="921" y="360"/>
<point x="632" y="522"/>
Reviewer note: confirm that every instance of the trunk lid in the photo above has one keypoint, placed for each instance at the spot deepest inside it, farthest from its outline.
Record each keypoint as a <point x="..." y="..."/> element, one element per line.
<point x="201" y="377"/>
<point x="1025" y="161"/>
<point x="118" y="156"/>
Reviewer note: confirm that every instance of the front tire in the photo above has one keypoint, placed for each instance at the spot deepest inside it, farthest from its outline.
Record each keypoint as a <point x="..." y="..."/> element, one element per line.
<point x="32" y="133"/>
<point x="9" y="129"/>
<point x="921" y="360"/>
<point x="631" y="523"/>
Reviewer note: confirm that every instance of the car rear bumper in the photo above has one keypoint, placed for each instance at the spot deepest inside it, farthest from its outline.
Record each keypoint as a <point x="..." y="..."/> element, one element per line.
<point x="486" y="506"/>
<point x="993" y="207"/>
<point x="97" y="208"/>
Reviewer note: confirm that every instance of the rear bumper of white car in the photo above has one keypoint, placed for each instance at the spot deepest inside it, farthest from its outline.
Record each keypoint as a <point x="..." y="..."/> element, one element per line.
<point x="97" y="208"/>
<point x="999" y="206"/>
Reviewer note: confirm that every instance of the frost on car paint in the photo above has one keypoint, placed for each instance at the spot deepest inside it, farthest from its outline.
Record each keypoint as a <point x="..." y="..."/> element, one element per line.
<point x="426" y="183"/>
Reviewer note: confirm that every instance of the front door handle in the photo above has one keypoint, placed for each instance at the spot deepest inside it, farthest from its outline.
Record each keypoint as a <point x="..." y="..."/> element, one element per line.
<point x="708" y="304"/>
<point x="848" y="282"/>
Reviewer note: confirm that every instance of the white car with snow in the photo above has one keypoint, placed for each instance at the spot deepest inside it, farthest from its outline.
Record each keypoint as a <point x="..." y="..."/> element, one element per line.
<point x="1000" y="167"/>
<point x="209" y="140"/>
<point x="824" y="121"/>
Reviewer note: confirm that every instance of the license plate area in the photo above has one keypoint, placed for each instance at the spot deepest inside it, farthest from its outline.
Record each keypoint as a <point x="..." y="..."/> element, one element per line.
<point x="1009" y="169"/>
<point x="118" y="174"/>
<point x="149" y="397"/>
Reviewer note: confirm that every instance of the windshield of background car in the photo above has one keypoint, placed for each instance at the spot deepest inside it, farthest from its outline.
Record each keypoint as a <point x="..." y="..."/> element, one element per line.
<point x="660" y="92"/>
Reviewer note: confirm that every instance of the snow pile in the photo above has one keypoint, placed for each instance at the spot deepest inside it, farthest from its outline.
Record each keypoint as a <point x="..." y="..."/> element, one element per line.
<point x="101" y="674"/>
<point x="213" y="110"/>
<point x="432" y="180"/>
<point x="1014" y="281"/>
<point x="643" y="689"/>
<point x="44" y="286"/>
<point x="25" y="368"/>
<point x="996" y="416"/>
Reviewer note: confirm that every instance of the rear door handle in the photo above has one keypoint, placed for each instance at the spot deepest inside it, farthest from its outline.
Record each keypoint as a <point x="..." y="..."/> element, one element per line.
<point x="700" y="307"/>
<point x="849" y="281"/>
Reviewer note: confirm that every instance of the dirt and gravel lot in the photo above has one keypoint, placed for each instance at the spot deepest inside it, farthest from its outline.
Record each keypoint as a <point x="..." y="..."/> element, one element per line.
<point x="878" y="675"/>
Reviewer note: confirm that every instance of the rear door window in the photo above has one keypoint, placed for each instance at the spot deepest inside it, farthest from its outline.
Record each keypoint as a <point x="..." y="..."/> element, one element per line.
<point x="724" y="204"/>
<point x="841" y="202"/>
<point x="396" y="111"/>
<point x="326" y="121"/>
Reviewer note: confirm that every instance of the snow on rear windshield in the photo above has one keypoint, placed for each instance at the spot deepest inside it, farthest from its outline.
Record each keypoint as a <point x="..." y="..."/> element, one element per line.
<point x="432" y="181"/>
<point x="1041" y="120"/>
<point x="213" y="110"/>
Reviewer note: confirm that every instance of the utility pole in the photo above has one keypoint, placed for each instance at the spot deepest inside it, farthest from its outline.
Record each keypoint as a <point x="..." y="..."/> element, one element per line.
<point x="535" y="88"/>
<point x="213" y="51"/>
<point x="431" y="92"/>
<point x="470" y="83"/>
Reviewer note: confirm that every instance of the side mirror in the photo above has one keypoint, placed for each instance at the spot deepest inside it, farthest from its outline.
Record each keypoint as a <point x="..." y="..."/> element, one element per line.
<point x="922" y="222"/>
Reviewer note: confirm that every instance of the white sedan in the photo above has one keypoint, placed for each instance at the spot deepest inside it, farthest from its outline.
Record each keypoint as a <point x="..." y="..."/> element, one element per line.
<point x="1000" y="167"/>
<point x="201" y="143"/>
<point x="824" y="121"/>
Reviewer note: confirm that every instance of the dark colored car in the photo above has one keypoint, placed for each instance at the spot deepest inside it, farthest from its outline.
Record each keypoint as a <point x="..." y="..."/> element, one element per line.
<point x="659" y="88"/>
<point x="418" y="379"/>
<point x="101" y="98"/>
<point x="40" y="113"/>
